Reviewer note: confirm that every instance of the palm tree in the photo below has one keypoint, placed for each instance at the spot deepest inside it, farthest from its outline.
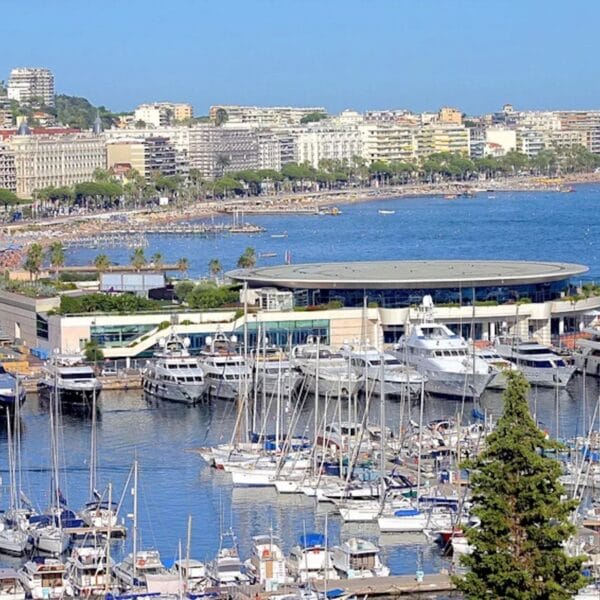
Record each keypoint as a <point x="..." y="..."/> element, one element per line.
<point x="102" y="263"/>
<point x="157" y="259"/>
<point x="34" y="259"/>
<point x="138" y="259"/>
<point x="223" y="161"/>
<point x="57" y="256"/>
<point x="183" y="264"/>
<point x="248" y="259"/>
<point x="215" y="267"/>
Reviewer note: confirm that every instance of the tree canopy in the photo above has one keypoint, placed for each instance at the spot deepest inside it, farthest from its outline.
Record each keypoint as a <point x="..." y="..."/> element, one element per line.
<point x="518" y="549"/>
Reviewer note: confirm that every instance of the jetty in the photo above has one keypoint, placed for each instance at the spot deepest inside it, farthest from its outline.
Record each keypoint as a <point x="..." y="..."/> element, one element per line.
<point x="368" y="587"/>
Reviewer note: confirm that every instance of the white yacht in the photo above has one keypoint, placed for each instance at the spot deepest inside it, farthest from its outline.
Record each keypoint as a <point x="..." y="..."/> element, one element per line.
<point x="587" y="353"/>
<point x="311" y="559"/>
<point x="540" y="365"/>
<point x="225" y="371"/>
<point x="192" y="573"/>
<point x="267" y="563"/>
<point x="44" y="578"/>
<point x="400" y="380"/>
<point x="273" y="372"/>
<point x="501" y="367"/>
<point x="99" y="513"/>
<point x="174" y="375"/>
<point x="133" y="570"/>
<point x="227" y="569"/>
<point x="73" y="382"/>
<point x="319" y="361"/>
<point x="11" y="587"/>
<point x="13" y="540"/>
<point x="89" y="571"/>
<point x="357" y="558"/>
<point x="443" y="357"/>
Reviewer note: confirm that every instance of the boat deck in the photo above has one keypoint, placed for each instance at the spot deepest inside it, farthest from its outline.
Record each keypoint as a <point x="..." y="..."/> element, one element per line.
<point x="118" y="531"/>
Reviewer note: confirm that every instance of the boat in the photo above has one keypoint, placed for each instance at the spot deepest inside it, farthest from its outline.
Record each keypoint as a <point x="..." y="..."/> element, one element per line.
<point x="267" y="563"/>
<point x="443" y="357"/>
<point x="357" y="558"/>
<point x="10" y="390"/>
<point x="325" y="370"/>
<point x="416" y="520"/>
<point x="273" y="372"/>
<point x="540" y="365"/>
<point x="311" y="559"/>
<point x="267" y="254"/>
<point x="500" y="365"/>
<point x="192" y="573"/>
<point x="174" y="375"/>
<point x="382" y="211"/>
<point x="279" y="235"/>
<point x="136" y="567"/>
<point x="45" y="578"/>
<point x="73" y="382"/>
<point x="11" y="587"/>
<point x="89" y="571"/>
<point x="227" y="569"/>
<point x="400" y="380"/>
<point x="225" y="371"/>
<point x="587" y="352"/>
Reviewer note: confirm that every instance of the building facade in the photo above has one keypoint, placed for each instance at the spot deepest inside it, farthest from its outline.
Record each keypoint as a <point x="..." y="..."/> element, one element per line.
<point x="150" y="156"/>
<point x="263" y="116"/>
<point x="55" y="160"/>
<point x="31" y="84"/>
<point x="8" y="172"/>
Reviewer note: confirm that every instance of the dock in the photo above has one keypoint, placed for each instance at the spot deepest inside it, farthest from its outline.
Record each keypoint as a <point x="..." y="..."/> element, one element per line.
<point x="370" y="587"/>
<point x="118" y="531"/>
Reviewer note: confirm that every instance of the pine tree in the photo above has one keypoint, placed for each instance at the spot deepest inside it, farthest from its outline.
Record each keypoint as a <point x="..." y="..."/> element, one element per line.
<point x="518" y="550"/>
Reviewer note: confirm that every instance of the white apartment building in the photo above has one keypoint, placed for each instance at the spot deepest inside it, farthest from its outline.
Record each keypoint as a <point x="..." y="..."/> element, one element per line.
<point x="55" y="160"/>
<point x="8" y="174"/>
<point x="440" y="137"/>
<point x="499" y="141"/>
<point x="162" y="114"/>
<point x="263" y="116"/>
<point x="28" y="83"/>
<point x="530" y="141"/>
<point x="328" y="140"/>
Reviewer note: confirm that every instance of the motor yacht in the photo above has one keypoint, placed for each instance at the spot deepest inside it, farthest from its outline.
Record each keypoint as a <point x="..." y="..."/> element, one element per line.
<point x="357" y="558"/>
<point x="273" y="373"/>
<point x="227" y="568"/>
<point x="587" y="352"/>
<point x="174" y="375"/>
<point x="540" y="365"/>
<point x="89" y="571"/>
<point x="11" y="392"/>
<point x="226" y="373"/>
<point x="44" y="578"/>
<point x="325" y="369"/>
<point x="192" y="573"/>
<point x="73" y="382"/>
<point x="500" y="366"/>
<point x="267" y="563"/>
<point x="133" y="570"/>
<point x="311" y="559"/>
<point x="400" y="380"/>
<point x="443" y="357"/>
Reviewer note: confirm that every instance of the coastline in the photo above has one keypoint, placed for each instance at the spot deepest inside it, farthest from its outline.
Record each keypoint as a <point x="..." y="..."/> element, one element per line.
<point x="79" y="226"/>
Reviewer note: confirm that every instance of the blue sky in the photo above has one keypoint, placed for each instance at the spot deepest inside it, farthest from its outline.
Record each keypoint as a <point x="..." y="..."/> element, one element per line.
<point x="417" y="54"/>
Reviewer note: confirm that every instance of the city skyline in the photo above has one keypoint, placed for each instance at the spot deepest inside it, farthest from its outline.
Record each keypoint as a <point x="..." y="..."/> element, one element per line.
<point x="354" y="55"/>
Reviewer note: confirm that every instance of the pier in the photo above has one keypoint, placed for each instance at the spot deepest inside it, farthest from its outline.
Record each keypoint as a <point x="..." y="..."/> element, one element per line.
<point x="369" y="587"/>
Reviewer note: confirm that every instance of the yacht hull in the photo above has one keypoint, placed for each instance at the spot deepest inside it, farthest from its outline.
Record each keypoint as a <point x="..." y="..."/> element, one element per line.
<point x="173" y="392"/>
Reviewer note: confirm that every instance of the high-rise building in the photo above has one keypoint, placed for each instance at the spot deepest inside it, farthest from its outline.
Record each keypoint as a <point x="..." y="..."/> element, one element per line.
<point x="262" y="116"/>
<point x="29" y="85"/>
<point x="388" y="142"/>
<point x="162" y="114"/>
<point x="328" y="140"/>
<point x="148" y="156"/>
<point x="8" y="175"/>
<point x="55" y="159"/>
<point x="439" y="137"/>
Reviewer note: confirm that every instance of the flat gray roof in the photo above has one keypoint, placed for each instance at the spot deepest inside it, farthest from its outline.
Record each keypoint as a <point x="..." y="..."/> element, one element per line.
<point x="408" y="274"/>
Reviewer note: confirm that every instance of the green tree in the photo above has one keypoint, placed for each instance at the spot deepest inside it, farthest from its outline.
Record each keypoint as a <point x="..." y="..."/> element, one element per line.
<point x="221" y="117"/>
<point x="215" y="267"/>
<point x="223" y="161"/>
<point x="102" y="263"/>
<point x="93" y="352"/>
<point x="8" y="198"/>
<point x="182" y="289"/>
<point x="34" y="259"/>
<point x="56" y="254"/>
<point x="518" y="550"/>
<point x="248" y="259"/>
<point x="313" y="117"/>
<point x="183" y="265"/>
<point x="158" y="260"/>
<point x="210" y="295"/>
<point x="138" y="259"/>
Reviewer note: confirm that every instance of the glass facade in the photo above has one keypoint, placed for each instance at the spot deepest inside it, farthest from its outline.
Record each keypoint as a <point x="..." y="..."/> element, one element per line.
<point x="117" y="336"/>
<point x="401" y="298"/>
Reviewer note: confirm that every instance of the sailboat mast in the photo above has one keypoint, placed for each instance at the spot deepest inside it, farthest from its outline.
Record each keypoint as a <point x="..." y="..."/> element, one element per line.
<point x="93" y="448"/>
<point x="188" y="550"/>
<point x="135" y="517"/>
<point x="420" y="442"/>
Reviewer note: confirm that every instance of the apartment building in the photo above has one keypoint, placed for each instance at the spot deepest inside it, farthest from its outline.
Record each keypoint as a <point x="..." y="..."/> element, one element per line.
<point x="450" y="116"/>
<point x="263" y="116"/>
<point x="530" y="141"/>
<point x="440" y="137"/>
<point x="8" y="173"/>
<point x="27" y="84"/>
<point x="389" y="142"/>
<point x="329" y="140"/>
<point x="499" y="141"/>
<point x="162" y="114"/>
<point x="151" y="156"/>
<point x="55" y="159"/>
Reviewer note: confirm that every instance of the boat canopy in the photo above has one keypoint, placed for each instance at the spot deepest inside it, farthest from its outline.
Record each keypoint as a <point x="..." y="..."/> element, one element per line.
<point x="407" y="512"/>
<point x="310" y="540"/>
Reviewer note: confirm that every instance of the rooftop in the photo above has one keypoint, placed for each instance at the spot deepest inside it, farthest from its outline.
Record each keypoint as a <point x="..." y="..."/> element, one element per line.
<point x="408" y="274"/>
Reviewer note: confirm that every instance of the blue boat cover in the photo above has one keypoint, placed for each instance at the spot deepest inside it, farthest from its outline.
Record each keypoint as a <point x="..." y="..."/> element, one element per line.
<point x="335" y="593"/>
<point x="407" y="512"/>
<point x="312" y="539"/>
